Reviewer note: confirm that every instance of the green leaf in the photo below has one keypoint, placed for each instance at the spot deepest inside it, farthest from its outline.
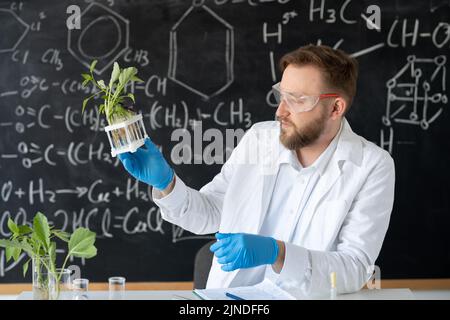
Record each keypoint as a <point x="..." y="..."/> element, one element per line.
<point x="16" y="244"/>
<point x="136" y="79"/>
<point x="114" y="74"/>
<point x="131" y="96"/>
<point x="12" y="252"/>
<point x="86" y="76"/>
<point x="101" y="84"/>
<point x="88" y="253"/>
<point x="81" y="244"/>
<point x="24" y="229"/>
<point x="9" y="243"/>
<point x="16" y="253"/>
<point x="119" y="100"/>
<point x="64" y="236"/>
<point x="34" y="241"/>
<point x="92" y="66"/>
<point x="85" y="101"/>
<point x="41" y="252"/>
<point x="9" y="253"/>
<point x="126" y="75"/>
<point x="25" y="267"/>
<point x="85" y="82"/>
<point x="12" y="226"/>
<point x="41" y="229"/>
<point x="26" y="247"/>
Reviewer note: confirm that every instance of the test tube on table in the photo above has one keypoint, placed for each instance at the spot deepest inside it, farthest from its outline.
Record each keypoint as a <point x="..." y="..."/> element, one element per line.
<point x="80" y="288"/>
<point x="116" y="288"/>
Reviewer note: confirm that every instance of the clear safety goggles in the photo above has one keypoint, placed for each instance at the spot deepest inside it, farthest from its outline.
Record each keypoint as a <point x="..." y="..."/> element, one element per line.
<point x="299" y="103"/>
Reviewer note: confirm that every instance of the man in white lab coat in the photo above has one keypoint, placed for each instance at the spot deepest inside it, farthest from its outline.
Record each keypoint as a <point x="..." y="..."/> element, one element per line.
<point x="299" y="198"/>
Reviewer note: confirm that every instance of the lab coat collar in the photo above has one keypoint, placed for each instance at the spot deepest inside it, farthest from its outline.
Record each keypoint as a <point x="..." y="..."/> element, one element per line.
<point x="348" y="148"/>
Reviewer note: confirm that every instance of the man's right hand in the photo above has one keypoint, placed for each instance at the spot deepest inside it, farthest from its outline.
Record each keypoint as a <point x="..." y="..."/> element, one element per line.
<point x="148" y="165"/>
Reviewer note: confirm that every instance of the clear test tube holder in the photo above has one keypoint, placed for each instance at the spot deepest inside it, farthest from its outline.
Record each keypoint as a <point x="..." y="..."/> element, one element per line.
<point x="131" y="145"/>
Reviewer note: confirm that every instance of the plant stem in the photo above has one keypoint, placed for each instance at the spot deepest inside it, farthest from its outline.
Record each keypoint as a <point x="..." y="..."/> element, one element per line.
<point x="100" y="88"/>
<point x="63" y="267"/>
<point x="117" y="92"/>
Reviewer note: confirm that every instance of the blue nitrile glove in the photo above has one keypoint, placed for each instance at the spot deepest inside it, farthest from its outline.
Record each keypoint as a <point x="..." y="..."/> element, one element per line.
<point x="148" y="165"/>
<point x="243" y="250"/>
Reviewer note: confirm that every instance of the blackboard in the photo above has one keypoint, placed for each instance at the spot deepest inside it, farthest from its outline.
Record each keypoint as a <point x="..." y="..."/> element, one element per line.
<point x="208" y="66"/>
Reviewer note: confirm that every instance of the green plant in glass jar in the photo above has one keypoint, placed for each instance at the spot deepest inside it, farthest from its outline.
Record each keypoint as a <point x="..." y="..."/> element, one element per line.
<point x="38" y="242"/>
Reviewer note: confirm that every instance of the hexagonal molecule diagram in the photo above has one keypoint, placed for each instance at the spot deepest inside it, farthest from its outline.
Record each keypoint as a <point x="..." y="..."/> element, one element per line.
<point x="202" y="52"/>
<point x="13" y="30"/>
<point x="104" y="36"/>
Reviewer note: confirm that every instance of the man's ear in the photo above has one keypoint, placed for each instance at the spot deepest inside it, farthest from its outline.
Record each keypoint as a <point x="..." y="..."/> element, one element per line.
<point x="339" y="107"/>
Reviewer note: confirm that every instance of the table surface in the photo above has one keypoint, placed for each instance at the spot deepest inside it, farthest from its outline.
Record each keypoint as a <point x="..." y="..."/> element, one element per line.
<point x="382" y="294"/>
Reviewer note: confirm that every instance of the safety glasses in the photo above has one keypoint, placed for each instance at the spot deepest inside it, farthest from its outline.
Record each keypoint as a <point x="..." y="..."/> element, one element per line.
<point x="299" y="103"/>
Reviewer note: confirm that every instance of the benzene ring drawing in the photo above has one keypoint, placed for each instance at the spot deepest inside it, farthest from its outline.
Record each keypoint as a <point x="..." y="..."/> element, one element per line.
<point x="202" y="52"/>
<point x="104" y="36"/>
<point x="13" y="30"/>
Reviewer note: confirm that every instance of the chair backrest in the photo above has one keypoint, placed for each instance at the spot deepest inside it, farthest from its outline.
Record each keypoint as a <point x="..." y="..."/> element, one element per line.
<point x="202" y="265"/>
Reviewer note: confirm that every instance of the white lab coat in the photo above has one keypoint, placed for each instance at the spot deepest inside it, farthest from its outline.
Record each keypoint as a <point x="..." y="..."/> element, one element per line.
<point x="341" y="229"/>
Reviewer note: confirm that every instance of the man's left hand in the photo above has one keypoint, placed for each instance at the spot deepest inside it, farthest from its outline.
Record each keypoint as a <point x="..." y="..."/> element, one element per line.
<point x="243" y="250"/>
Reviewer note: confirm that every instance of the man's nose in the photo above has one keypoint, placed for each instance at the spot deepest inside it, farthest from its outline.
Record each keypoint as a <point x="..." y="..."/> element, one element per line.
<point x="282" y="110"/>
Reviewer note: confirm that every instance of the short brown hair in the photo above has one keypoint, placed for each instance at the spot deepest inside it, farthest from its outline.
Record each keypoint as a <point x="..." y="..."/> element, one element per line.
<point x="340" y="71"/>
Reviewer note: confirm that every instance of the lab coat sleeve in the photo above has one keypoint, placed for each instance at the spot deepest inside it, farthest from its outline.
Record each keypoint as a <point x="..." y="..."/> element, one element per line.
<point x="307" y="272"/>
<point x="190" y="209"/>
<point x="199" y="211"/>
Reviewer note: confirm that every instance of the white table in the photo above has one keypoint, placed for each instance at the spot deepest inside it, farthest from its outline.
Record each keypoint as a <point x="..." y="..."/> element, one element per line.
<point x="133" y="295"/>
<point x="383" y="294"/>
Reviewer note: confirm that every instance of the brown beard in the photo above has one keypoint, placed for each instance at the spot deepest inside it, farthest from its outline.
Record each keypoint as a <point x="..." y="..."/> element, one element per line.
<point x="305" y="136"/>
